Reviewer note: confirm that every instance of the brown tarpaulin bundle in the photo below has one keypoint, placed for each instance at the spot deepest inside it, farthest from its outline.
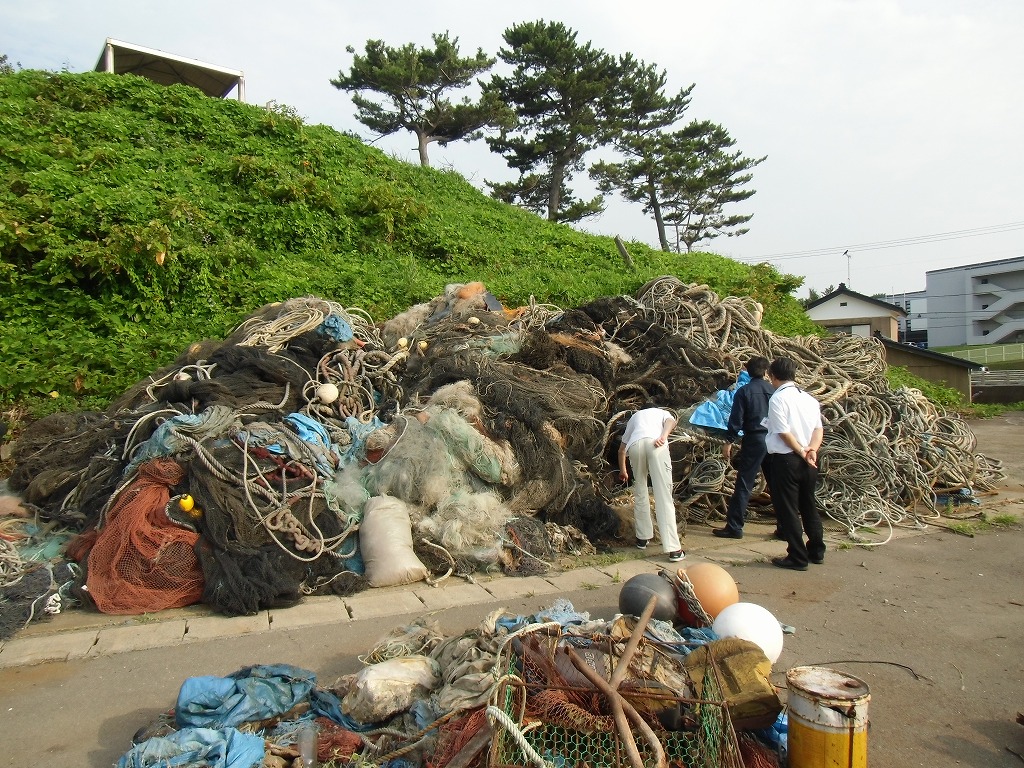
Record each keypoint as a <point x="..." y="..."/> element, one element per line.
<point x="142" y="561"/>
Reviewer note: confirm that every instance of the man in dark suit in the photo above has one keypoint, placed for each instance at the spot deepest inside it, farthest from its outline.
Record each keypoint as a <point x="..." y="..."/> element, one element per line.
<point x="749" y="416"/>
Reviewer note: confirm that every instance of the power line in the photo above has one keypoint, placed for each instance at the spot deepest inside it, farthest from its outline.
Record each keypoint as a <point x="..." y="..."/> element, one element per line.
<point x="897" y="243"/>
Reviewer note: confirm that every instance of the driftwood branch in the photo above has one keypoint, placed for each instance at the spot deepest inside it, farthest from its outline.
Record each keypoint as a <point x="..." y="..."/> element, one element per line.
<point x="623" y="252"/>
<point x="622" y="710"/>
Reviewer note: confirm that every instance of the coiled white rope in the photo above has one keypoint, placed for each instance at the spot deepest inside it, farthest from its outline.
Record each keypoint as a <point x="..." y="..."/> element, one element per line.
<point x="495" y="715"/>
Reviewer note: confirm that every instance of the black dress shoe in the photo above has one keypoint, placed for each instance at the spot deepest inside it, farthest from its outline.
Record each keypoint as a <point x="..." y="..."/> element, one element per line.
<point x="817" y="560"/>
<point x="785" y="562"/>
<point x="727" y="533"/>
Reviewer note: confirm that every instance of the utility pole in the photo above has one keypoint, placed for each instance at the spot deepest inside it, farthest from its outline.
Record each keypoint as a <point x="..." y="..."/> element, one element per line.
<point x="846" y="253"/>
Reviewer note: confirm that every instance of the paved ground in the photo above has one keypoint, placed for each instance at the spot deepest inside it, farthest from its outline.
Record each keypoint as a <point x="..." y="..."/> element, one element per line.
<point x="79" y="634"/>
<point x="933" y="621"/>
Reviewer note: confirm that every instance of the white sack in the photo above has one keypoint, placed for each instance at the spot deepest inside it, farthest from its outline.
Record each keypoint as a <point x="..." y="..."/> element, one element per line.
<point x="385" y="541"/>
<point x="381" y="690"/>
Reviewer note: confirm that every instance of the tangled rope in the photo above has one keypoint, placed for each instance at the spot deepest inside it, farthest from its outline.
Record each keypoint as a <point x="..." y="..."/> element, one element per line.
<point x="530" y="405"/>
<point x="886" y="453"/>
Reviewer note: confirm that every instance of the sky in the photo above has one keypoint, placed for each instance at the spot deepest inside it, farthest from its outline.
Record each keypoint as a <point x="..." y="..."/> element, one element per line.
<point x="892" y="129"/>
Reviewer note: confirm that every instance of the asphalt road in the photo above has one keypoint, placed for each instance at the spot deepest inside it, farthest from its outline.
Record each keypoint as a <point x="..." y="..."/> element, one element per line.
<point x="933" y="623"/>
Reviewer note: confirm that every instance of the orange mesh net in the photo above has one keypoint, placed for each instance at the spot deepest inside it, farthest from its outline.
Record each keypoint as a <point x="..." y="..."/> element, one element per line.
<point x="554" y="701"/>
<point x="142" y="561"/>
<point x="755" y="754"/>
<point x="78" y="548"/>
<point x="335" y="743"/>
<point x="557" y="707"/>
<point x="456" y="734"/>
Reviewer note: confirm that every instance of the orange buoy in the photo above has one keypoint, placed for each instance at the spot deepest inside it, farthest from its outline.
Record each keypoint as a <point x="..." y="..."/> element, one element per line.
<point x="713" y="587"/>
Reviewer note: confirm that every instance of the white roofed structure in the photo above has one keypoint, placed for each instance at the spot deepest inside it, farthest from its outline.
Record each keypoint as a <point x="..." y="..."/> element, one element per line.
<point x="122" y="58"/>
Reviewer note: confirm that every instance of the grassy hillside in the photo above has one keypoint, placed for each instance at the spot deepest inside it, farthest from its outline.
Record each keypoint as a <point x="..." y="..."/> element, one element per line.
<point x="137" y="218"/>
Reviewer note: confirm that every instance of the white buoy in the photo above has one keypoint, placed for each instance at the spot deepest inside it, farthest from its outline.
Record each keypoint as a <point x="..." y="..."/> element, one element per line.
<point x="327" y="393"/>
<point x="751" y="622"/>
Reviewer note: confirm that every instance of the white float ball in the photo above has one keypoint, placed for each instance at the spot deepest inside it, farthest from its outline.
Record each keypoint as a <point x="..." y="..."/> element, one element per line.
<point x="327" y="393"/>
<point x="751" y="622"/>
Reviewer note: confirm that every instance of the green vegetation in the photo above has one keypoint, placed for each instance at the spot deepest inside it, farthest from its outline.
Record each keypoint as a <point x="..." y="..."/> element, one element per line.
<point x="947" y="397"/>
<point x="987" y="410"/>
<point x="999" y="357"/>
<point x="567" y="95"/>
<point x="414" y="84"/>
<point x="136" y="219"/>
<point x="684" y="178"/>
<point x="561" y="100"/>
<point x="983" y="523"/>
<point x="940" y="394"/>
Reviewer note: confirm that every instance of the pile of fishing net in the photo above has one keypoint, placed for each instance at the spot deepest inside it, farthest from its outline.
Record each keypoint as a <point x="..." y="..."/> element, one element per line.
<point x="315" y="451"/>
<point x="514" y="690"/>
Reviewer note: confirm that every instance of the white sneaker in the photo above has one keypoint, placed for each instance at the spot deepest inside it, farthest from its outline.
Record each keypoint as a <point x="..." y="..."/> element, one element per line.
<point x="675" y="557"/>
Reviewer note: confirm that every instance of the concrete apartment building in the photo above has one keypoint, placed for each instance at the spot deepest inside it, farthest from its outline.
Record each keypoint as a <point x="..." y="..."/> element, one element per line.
<point x="976" y="304"/>
<point x="913" y="327"/>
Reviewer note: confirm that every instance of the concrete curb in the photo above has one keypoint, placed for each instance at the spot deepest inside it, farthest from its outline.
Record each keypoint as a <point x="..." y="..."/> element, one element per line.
<point x="77" y="634"/>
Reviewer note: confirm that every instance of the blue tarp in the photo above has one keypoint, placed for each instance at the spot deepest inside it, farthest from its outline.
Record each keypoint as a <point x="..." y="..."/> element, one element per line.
<point x="714" y="414"/>
<point x="227" y="748"/>
<point x="335" y="327"/>
<point x="252" y="693"/>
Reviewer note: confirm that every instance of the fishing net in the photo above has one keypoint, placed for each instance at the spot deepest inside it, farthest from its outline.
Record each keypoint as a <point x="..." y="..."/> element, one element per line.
<point x="454" y="736"/>
<point x="415" y="468"/>
<point x="525" y="547"/>
<point x="755" y="753"/>
<point x="472" y="414"/>
<point x="39" y="592"/>
<point x="57" y="454"/>
<point x="242" y="585"/>
<point x="335" y="743"/>
<point x="541" y="707"/>
<point x="567" y="540"/>
<point x="143" y="561"/>
<point x="466" y="524"/>
<point x="588" y="514"/>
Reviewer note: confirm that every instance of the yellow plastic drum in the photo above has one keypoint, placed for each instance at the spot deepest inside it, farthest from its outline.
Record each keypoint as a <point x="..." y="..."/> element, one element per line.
<point x="828" y="719"/>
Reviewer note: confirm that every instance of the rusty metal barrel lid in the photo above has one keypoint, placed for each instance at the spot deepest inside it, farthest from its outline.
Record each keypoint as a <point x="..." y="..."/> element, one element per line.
<point x="826" y="683"/>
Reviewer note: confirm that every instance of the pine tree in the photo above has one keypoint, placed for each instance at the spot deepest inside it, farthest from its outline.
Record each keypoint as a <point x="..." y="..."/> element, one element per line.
<point x="415" y="84"/>
<point x="639" y="136"/>
<point x="700" y="177"/>
<point x="565" y="95"/>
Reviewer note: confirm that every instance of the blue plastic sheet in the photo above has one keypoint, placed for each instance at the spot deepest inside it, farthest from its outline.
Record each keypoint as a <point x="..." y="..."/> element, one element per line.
<point x="714" y="414"/>
<point x="776" y="735"/>
<point x="227" y="748"/>
<point x="561" y="611"/>
<point x="335" y="327"/>
<point x="358" y="431"/>
<point x="253" y="693"/>
<point x="963" y="496"/>
<point x="326" y="704"/>
<point x="310" y="430"/>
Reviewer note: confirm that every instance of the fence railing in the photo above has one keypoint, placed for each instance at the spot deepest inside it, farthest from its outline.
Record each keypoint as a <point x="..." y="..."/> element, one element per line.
<point x="997" y="378"/>
<point x="1001" y="353"/>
